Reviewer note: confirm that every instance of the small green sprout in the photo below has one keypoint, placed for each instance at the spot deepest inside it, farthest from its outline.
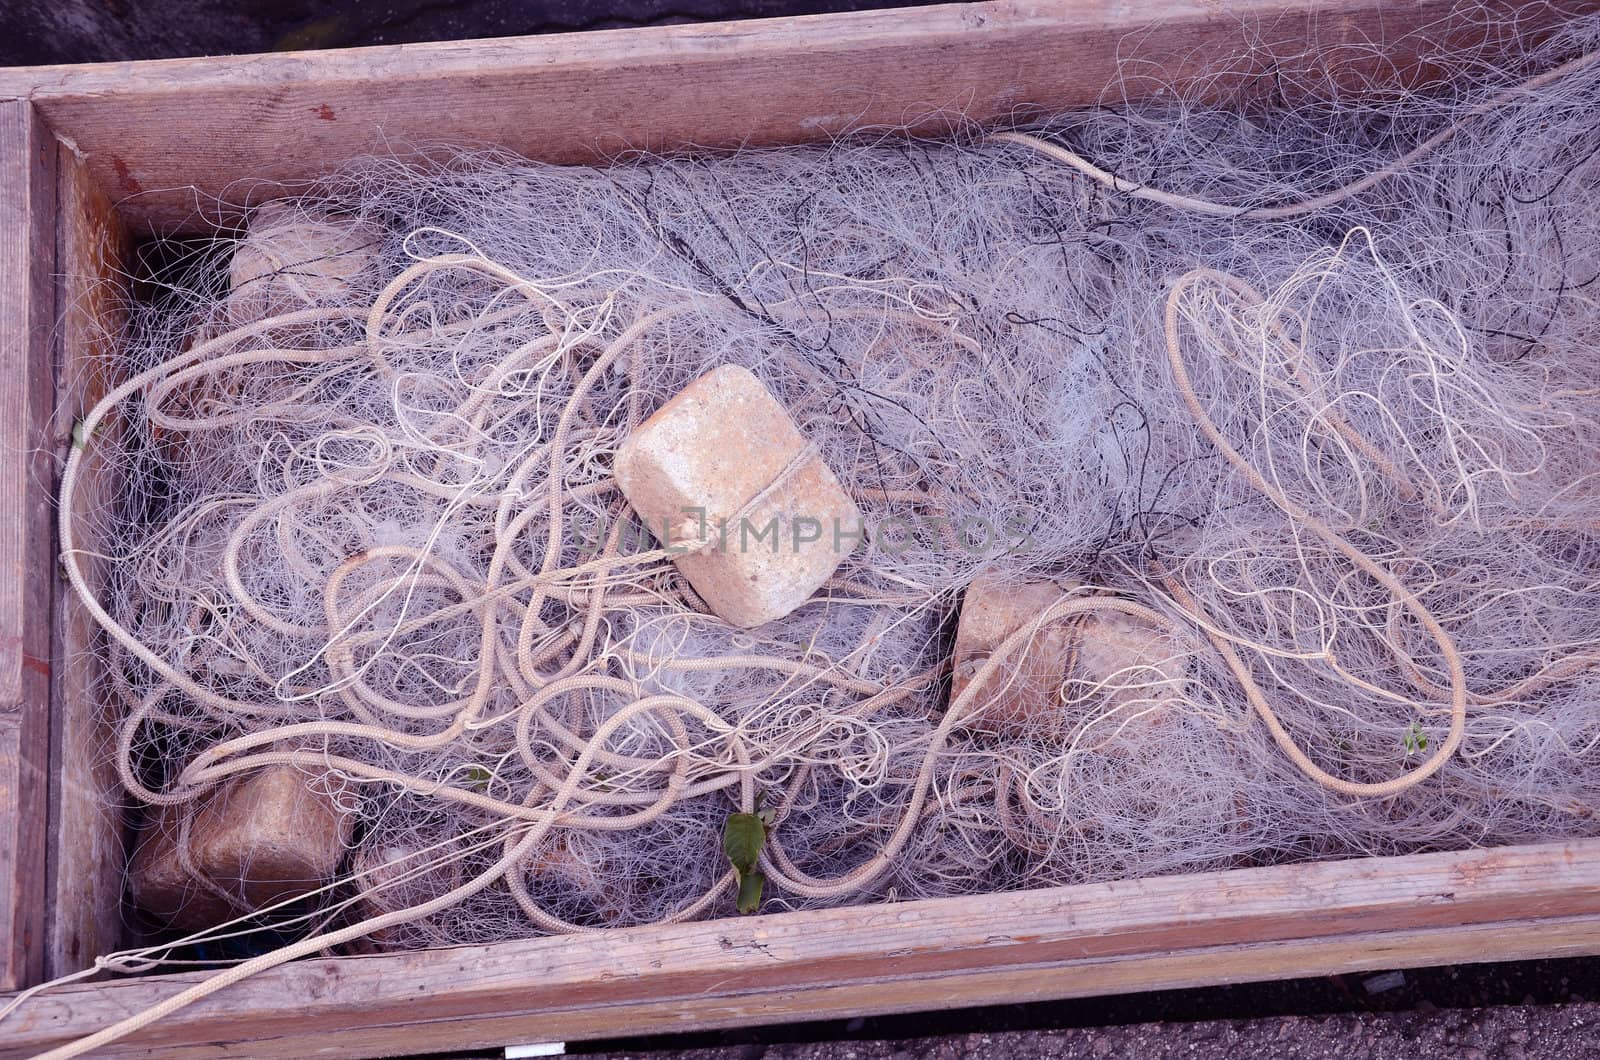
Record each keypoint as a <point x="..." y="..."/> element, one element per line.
<point x="743" y="838"/>
<point x="80" y="437"/>
<point x="1415" y="740"/>
<point x="479" y="777"/>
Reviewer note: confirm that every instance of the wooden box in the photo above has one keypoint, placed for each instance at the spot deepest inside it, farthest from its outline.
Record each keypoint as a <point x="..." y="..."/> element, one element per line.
<point x="95" y="158"/>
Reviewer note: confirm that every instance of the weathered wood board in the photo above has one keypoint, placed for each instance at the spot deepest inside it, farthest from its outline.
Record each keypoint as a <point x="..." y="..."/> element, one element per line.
<point x="86" y="828"/>
<point x="1072" y="941"/>
<point x="27" y="559"/>
<point x="170" y="138"/>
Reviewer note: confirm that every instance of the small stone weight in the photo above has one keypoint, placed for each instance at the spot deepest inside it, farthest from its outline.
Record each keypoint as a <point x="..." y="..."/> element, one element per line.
<point x="1121" y="658"/>
<point x="288" y="260"/>
<point x="777" y="520"/>
<point x="393" y="876"/>
<point x="583" y="876"/>
<point x="1129" y="659"/>
<point x="1027" y="686"/>
<point x="263" y="837"/>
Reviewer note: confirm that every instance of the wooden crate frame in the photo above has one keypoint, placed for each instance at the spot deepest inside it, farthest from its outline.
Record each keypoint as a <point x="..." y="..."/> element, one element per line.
<point x="95" y="157"/>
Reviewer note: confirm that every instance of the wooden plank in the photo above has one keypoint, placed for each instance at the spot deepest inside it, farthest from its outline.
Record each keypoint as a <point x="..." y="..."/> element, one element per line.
<point x="27" y="567"/>
<point x="1141" y="934"/>
<point x="87" y="853"/>
<point x="1253" y="962"/>
<point x="168" y="138"/>
<point x="22" y="911"/>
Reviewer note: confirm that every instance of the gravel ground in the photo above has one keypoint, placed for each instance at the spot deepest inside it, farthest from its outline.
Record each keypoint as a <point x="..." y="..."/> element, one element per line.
<point x="1527" y="1010"/>
<point x="1547" y="1032"/>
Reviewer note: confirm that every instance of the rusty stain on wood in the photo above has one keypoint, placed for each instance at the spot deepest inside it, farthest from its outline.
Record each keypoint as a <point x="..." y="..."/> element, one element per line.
<point x="125" y="178"/>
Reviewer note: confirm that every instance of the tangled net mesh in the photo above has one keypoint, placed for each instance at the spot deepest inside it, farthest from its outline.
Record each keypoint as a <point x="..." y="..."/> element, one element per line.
<point x="1330" y="450"/>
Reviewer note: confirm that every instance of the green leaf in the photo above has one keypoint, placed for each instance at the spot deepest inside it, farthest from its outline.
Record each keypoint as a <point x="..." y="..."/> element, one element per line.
<point x="80" y="439"/>
<point x="750" y="891"/>
<point x="478" y="777"/>
<point x="743" y="836"/>
<point x="1415" y="740"/>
